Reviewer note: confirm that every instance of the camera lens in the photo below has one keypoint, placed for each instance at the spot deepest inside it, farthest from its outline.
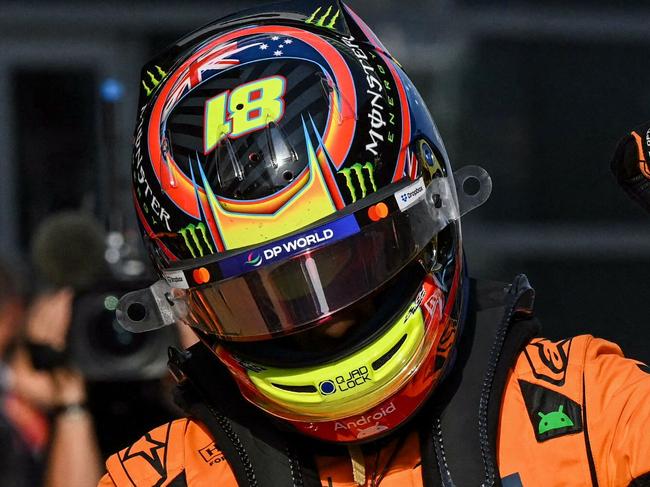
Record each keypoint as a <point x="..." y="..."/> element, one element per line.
<point x="107" y="336"/>
<point x="103" y="350"/>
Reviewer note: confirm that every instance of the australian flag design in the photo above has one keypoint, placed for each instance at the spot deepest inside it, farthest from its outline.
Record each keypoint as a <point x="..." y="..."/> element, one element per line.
<point x="253" y="48"/>
<point x="239" y="52"/>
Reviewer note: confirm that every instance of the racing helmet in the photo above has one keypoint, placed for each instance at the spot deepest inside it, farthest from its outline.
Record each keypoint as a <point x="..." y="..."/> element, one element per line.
<point x="297" y="200"/>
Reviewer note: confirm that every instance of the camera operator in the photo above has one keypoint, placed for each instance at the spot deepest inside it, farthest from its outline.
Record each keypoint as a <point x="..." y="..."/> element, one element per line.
<point x="23" y="427"/>
<point x="74" y="457"/>
<point x="124" y="373"/>
<point x="54" y="453"/>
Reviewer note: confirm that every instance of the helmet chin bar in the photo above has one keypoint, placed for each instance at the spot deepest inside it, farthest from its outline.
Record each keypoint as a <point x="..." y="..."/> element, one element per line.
<point x="468" y="201"/>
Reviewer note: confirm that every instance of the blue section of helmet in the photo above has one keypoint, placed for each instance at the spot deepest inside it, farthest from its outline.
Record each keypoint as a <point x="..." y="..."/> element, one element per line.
<point x="290" y="246"/>
<point x="421" y="121"/>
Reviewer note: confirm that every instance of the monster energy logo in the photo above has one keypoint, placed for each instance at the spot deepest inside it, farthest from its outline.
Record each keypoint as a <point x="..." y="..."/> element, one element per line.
<point x="357" y="172"/>
<point x="154" y="81"/>
<point x="323" y="18"/>
<point x="195" y="243"/>
<point x="380" y="99"/>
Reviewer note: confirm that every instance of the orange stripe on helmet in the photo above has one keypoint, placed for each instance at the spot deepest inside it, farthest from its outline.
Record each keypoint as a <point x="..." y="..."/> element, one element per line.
<point x="183" y="193"/>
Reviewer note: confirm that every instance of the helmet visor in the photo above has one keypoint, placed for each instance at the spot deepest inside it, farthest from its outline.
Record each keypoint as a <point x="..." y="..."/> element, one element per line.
<point x="278" y="289"/>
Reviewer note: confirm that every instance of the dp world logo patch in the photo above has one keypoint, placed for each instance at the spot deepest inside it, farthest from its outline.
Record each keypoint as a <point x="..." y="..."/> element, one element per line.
<point x="254" y="259"/>
<point x="290" y="246"/>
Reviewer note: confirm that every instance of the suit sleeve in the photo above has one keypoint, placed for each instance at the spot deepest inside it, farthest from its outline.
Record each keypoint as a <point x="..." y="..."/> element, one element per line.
<point x="153" y="460"/>
<point x="179" y="453"/>
<point x="617" y="413"/>
<point x="106" y="481"/>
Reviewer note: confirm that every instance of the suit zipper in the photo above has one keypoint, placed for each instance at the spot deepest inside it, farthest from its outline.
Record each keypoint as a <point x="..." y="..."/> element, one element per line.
<point x="241" y="451"/>
<point x="439" y="448"/>
<point x="294" y="464"/>
<point x="495" y="354"/>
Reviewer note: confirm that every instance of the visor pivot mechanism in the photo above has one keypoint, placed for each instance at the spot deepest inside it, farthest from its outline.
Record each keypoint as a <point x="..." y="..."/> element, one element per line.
<point x="473" y="187"/>
<point x="148" y="309"/>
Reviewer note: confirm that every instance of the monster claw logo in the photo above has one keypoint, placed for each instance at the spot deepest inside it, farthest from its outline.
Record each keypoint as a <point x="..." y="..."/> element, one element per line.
<point x="195" y="244"/>
<point x="360" y="176"/>
<point x="323" y="18"/>
<point x="254" y="260"/>
<point x="154" y="81"/>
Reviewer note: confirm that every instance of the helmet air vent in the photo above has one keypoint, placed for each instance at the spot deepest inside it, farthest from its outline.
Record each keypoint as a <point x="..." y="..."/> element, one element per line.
<point x="225" y="157"/>
<point x="280" y="151"/>
<point x="301" y="389"/>
<point x="381" y="361"/>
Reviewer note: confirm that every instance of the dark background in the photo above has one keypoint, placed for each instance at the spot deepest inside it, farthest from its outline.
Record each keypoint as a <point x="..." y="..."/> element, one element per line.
<point x="537" y="92"/>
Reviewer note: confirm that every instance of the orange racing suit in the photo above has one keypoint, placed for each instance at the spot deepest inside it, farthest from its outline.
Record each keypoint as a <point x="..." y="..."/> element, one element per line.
<point x="615" y="392"/>
<point x="573" y="412"/>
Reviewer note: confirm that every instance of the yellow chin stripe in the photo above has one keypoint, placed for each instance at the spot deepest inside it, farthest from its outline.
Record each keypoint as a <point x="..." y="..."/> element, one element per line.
<point x="351" y="385"/>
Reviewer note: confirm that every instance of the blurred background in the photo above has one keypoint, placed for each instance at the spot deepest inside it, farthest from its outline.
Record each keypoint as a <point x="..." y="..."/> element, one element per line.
<point x="537" y="92"/>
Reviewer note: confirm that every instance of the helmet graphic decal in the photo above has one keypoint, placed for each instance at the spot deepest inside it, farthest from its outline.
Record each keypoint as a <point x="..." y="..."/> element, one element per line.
<point x="153" y="80"/>
<point x="256" y="105"/>
<point x="197" y="239"/>
<point x="254" y="259"/>
<point x="311" y="203"/>
<point x="358" y="172"/>
<point x="324" y="20"/>
<point x="249" y="107"/>
<point x="382" y="81"/>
